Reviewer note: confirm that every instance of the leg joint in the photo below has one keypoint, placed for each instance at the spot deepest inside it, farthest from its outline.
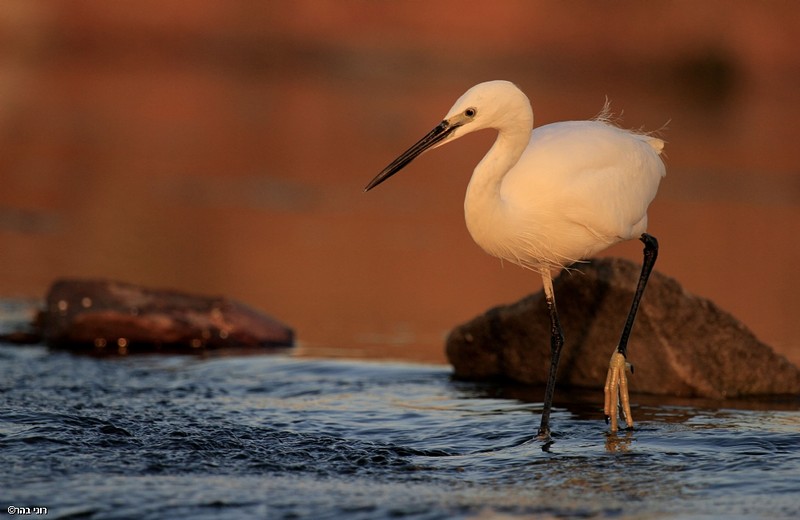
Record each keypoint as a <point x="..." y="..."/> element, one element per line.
<point x="650" y="245"/>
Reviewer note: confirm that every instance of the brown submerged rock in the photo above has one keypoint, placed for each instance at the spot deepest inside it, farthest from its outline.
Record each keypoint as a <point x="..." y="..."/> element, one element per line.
<point x="681" y="344"/>
<point x="115" y="317"/>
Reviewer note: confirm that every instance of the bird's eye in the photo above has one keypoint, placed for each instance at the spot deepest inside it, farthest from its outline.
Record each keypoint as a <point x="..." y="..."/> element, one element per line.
<point x="470" y="112"/>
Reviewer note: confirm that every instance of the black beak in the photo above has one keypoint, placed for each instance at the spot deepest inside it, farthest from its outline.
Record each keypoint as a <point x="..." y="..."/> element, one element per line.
<point x="436" y="135"/>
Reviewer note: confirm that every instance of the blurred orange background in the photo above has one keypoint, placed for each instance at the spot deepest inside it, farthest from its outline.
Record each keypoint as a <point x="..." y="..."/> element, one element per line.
<point x="222" y="147"/>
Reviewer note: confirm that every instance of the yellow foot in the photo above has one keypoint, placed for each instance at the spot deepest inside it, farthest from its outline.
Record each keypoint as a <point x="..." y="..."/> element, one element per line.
<point x="616" y="392"/>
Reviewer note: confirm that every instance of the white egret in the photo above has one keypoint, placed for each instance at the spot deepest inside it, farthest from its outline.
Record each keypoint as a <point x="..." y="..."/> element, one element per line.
<point x="545" y="198"/>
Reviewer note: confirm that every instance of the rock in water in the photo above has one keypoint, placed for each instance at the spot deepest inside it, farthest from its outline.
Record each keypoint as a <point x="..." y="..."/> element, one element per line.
<point x="681" y="344"/>
<point x="108" y="316"/>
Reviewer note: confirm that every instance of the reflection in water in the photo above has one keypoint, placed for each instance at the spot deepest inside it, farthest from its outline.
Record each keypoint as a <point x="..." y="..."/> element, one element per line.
<point x="619" y="442"/>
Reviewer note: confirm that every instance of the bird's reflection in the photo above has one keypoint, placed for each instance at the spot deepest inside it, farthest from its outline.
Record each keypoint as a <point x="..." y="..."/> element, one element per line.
<point x="619" y="442"/>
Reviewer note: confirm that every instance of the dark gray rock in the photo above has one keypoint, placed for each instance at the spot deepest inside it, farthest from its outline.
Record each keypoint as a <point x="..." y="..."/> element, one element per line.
<point x="681" y="344"/>
<point x="115" y="317"/>
<point x="18" y="323"/>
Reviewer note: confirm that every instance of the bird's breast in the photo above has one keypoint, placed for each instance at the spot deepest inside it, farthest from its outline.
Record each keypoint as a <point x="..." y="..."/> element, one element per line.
<point x="532" y="237"/>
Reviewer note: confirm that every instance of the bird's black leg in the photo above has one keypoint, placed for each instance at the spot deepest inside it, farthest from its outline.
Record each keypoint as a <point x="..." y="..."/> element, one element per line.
<point x="650" y="255"/>
<point x="616" y="387"/>
<point x="556" y="342"/>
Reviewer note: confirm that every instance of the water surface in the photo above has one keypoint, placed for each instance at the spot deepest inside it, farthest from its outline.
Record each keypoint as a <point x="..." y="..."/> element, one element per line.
<point x="274" y="436"/>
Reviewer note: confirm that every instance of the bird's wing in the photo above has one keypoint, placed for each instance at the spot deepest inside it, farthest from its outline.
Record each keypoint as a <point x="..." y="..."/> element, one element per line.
<point x="588" y="173"/>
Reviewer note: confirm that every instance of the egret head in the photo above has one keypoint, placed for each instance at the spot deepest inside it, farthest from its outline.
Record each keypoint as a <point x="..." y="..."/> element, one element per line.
<point x="486" y="105"/>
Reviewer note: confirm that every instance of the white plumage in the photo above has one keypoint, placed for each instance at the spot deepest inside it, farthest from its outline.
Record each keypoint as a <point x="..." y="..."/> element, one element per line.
<point x="547" y="197"/>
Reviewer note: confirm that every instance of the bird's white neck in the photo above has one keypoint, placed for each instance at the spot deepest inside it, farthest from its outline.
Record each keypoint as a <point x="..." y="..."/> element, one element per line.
<point x="484" y="207"/>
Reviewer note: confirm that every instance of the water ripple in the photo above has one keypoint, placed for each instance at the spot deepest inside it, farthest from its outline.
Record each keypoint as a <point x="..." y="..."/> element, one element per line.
<point x="275" y="436"/>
